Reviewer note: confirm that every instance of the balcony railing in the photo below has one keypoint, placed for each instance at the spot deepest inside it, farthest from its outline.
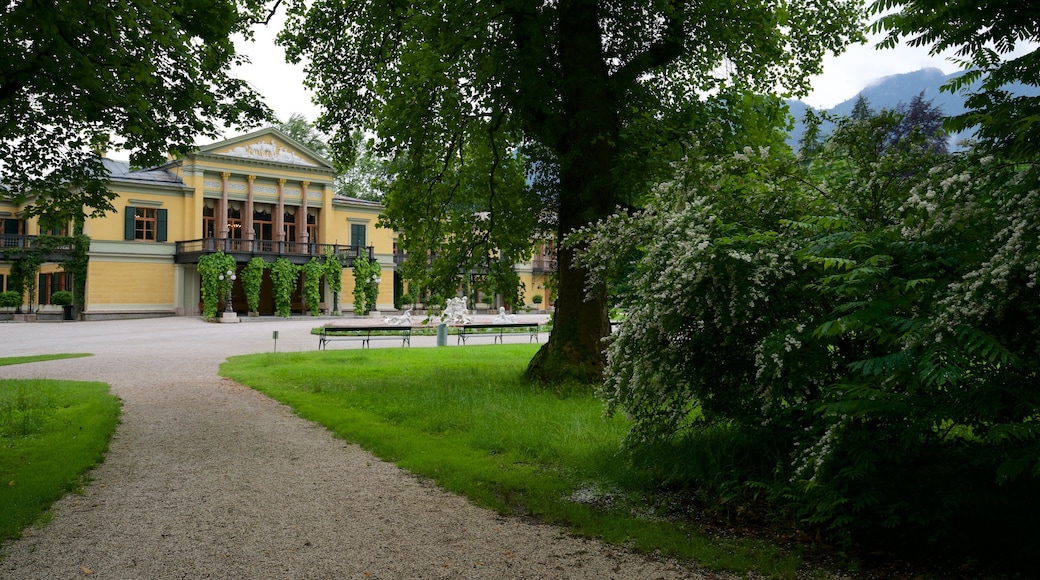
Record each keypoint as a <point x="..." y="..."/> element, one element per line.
<point x="189" y="252"/>
<point x="54" y="248"/>
<point x="543" y="265"/>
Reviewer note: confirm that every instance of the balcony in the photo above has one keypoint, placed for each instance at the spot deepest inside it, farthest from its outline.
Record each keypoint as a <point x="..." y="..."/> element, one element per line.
<point x="189" y="252"/>
<point x="52" y="248"/>
<point x="543" y="265"/>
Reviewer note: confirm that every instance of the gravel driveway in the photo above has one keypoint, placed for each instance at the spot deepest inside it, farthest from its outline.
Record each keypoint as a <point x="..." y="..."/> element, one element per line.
<point x="208" y="479"/>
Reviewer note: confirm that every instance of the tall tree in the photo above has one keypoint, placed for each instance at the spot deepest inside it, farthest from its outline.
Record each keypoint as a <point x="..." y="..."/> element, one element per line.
<point x="988" y="39"/>
<point x="360" y="176"/>
<point x="299" y="128"/>
<point x="578" y="88"/>
<point x="76" y="76"/>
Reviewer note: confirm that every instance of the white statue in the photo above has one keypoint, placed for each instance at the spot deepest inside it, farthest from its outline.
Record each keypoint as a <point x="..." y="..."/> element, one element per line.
<point x="504" y="318"/>
<point x="404" y="319"/>
<point x="455" y="312"/>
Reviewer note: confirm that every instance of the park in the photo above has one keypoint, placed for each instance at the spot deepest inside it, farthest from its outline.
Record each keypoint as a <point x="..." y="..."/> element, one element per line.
<point x="761" y="355"/>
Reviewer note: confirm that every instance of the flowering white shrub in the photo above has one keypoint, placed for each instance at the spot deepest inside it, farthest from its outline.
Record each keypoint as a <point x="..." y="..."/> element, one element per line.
<point x="868" y="313"/>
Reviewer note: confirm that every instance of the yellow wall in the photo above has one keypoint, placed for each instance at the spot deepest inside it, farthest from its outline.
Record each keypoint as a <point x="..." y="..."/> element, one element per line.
<point x="123" y="283"/>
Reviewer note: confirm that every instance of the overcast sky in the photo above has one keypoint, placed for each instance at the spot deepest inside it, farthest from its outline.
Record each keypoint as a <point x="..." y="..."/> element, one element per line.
<point x="844" y="76"/>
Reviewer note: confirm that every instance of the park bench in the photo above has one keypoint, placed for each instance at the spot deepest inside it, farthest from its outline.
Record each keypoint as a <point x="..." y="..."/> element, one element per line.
<point x="366" y="334"/>
<point x="497" y="330"/>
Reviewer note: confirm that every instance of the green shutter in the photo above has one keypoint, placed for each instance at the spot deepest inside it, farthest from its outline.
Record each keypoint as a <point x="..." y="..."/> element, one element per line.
<point x="160" y="225"/>
<point x="128" y="223"/>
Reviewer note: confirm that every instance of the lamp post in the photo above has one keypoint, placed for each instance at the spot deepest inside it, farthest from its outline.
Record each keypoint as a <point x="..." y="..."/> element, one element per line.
<point x="229" y="278"/>
<point x="375" y="291"/>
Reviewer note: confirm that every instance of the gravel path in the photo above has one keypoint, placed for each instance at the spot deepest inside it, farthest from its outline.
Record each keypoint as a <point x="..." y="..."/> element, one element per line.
<point x="208" y="479"/>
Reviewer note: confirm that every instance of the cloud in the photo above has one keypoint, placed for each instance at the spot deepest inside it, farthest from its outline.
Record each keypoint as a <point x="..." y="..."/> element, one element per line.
<point x="846" y="75"/>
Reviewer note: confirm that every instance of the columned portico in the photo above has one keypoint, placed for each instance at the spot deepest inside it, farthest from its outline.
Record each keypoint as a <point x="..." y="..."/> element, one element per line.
<point x="222" y="211"/>
<point x="247" y="215"/>
<point x="279" y="214"/>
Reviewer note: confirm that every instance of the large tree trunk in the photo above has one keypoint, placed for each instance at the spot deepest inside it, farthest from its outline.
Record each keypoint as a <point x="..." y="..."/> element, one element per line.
<point x="586" y="150"/>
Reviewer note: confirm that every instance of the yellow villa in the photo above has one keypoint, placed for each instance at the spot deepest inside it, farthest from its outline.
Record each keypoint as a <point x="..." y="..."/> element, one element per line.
<point x="260" y="194"/>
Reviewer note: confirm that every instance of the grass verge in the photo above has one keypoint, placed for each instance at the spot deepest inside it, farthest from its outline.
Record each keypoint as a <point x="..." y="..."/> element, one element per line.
<point x="17" y="360"/>
<point x="51" y="433"/>
<point x="465" y="418"/>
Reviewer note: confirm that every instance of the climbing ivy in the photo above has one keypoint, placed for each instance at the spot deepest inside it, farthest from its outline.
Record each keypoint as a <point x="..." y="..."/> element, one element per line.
<point x="334" y="275"/>
<point x="252" y="278"/>
<point x="214" y="289"/>
<point x="283" y="277"/>
<point x="23" y="273"/>
<point x="365" y="291"/>
<point x="76" y="264"/>
<point x="312" y="272"/>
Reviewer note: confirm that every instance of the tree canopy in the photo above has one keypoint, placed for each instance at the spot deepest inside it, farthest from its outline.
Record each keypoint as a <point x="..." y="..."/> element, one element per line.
<point x="576" y="93"/>
<point x="149" y="76"/>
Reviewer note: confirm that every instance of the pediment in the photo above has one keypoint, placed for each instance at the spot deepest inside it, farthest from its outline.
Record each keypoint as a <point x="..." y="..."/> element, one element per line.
<point x="269" y="145"/>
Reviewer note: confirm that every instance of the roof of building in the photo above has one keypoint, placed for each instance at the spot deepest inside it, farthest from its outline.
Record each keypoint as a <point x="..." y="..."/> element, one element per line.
<point x="120" y="170"/>
<point x="356" y="201"/>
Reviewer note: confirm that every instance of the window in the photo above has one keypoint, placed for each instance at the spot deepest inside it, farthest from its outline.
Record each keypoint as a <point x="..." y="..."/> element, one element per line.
<point x="10" y="229"/>
<point x="357" y="235"/>
<point x="145" y="223"/>
<point x="14" y="227"/>
<point x="312" y="227"/>
<point x="209" y="222"/>
<point x="48" y="284"/>
<point x="234" y="223"/>
<point x="290" y="231"/>
<point x="263" y="223"/>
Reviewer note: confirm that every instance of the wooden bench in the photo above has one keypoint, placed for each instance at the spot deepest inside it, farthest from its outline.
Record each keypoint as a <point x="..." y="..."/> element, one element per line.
<point x="366" y="334"/>
<point x="470" y="330"/>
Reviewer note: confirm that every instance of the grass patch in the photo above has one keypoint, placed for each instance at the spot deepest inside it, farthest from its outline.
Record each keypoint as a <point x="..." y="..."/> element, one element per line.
<point x="465" y="418"/>
<point x="17" y="360"/>
<point x="51" y="432"/>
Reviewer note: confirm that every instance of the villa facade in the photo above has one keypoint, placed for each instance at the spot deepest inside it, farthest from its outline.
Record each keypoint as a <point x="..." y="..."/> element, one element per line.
<point x="260" y="194"/>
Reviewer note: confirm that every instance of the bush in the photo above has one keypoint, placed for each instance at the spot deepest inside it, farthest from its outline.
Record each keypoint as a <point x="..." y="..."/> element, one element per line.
<point x="875" y="316"/>
<point x="10" y="299"/>
<point x="61" y="298"/>
<point x="537" y="298"/>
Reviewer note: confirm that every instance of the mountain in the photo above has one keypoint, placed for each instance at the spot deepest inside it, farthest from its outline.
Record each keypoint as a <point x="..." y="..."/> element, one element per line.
<point x="892" y="91"/>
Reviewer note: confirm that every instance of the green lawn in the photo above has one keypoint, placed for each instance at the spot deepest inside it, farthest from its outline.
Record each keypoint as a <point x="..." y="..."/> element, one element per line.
<point x="51" y="433"/>
<point x="17" y="360"/>
<point x="465" y="418"/>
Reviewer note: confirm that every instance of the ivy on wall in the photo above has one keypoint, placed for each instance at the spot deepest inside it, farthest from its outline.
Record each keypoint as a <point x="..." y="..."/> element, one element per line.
<point x="365" y="290"/>
<point x="214" y="289"/>
<point x="283" y="277"/>
<point x="252" y="278"/>
<point x="334" y="276"/>
<point x="312" y="272"/>
<point x="27" y="260"/>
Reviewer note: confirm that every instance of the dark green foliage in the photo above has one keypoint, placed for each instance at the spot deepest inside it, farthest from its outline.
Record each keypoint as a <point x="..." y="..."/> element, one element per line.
<point x="10" y="299"/>
<point x="284" y="276"/>
<point x="873" y="316"/>
<point x="312" y="271"/>
<point x="365" y="289"/>
<point x="252" y="279"/>
<point x="505" y="120"/>
<point x="151" y="75"/>
<point x="62" y="298"/>
<point x="214" y="270"/>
